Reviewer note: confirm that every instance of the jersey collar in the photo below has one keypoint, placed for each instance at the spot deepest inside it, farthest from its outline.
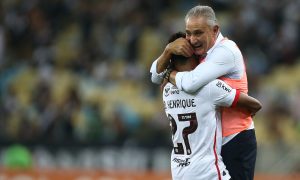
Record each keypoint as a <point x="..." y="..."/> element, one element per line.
<point x="219" y="39"/>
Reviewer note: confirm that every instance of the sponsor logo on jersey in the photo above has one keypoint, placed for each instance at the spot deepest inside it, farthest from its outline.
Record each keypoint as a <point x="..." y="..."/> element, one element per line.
<point x="171" y="91"/>
<point x="174" y="91"/>
<point x="167" y="89"/>
<point x="180" y="103"/>
<point x="182" y="162"/>
<point x="223" y="86"/>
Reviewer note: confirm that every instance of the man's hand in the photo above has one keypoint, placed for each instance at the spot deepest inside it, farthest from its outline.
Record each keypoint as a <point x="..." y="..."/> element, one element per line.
<point x="180" y="47"/>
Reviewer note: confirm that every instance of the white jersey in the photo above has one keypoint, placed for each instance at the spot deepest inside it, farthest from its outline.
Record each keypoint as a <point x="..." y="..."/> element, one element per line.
<point x="196" y="130"/>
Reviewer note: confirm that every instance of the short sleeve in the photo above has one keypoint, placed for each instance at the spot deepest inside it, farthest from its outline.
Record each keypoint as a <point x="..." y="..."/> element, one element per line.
<point x="221" y="94"/>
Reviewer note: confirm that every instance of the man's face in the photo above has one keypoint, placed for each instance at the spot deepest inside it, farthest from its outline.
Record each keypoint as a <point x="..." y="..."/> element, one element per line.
<point x="201" y="36"/>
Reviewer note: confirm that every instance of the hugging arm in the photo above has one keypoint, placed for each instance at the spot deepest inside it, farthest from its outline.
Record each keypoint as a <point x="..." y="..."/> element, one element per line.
<point x="216" y="65"/>
<point x="249" y="103"/>
<point x="225" y="96"/>
<point x="178" y="47"/>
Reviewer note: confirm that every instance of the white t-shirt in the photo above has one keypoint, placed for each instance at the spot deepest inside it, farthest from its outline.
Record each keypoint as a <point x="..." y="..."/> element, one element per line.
<point x="196" y="130"/>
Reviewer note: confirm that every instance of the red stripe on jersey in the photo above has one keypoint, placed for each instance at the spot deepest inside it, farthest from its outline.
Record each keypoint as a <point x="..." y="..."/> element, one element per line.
<point x="236" y="98"/>
<point x="216" y="157"/>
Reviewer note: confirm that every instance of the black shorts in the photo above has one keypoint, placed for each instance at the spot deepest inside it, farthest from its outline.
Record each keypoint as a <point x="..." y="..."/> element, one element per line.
<point x="239" y="155"/>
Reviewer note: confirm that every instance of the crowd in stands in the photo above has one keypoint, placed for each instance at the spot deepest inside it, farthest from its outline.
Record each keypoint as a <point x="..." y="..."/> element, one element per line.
<point x="78" y="71"/>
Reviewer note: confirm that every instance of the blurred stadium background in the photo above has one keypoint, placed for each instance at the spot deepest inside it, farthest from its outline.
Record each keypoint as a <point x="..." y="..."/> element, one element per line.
<point x="76" y="101"/>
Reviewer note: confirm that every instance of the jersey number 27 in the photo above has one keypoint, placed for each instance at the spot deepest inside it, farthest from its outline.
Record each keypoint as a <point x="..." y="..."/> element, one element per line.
<point x="191" y="117"/>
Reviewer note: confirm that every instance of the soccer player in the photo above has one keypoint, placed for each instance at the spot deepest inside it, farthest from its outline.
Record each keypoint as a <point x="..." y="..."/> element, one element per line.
<point x="196" y="129"/>
<point x="195" y="123"/>
<point x="221" y="58"/>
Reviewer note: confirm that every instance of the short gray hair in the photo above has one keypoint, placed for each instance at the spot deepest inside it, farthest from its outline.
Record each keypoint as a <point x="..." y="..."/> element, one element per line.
<point x="203" y="11"/>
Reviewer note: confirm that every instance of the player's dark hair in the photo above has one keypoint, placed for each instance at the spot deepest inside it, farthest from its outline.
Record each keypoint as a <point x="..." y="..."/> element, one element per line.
<point x="175" y="36"/>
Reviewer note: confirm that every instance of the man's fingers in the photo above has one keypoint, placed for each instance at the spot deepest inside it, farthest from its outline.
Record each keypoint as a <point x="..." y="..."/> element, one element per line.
<point x="187" y="51"/>
<point x="189" y="48"/>
<point x="182" y="47"/>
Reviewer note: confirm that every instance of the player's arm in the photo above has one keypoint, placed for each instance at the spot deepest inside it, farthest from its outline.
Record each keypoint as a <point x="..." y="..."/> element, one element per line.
<point x="219" y="63"/>
<point x="223" y="95"/>
<point x="178" y="47"/>
<point x="249" y="103"/>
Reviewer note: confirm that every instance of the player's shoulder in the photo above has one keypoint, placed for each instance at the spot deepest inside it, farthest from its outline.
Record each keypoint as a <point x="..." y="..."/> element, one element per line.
<point x="218" y="85"/>
<point x="215" y="83"/>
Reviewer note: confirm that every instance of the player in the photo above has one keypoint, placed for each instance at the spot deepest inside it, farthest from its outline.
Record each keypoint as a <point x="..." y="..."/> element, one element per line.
<point x="221" y="58"/>
<point x="195" y="123"/>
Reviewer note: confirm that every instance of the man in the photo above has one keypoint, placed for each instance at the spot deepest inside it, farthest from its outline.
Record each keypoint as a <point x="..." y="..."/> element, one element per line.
<point x="195" y="124"/>
<point x="220" y="58"/>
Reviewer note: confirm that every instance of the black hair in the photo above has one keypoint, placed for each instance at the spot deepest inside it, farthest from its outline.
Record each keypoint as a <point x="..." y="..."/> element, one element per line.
<point x="175" y="36"/>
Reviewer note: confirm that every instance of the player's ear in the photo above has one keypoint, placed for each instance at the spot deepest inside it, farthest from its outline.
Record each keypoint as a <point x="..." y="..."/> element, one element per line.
<point x="216" y="29"/>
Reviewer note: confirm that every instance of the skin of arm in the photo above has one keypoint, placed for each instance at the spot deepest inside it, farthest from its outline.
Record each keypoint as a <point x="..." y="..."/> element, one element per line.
<point x="163" y="61"/>
<point x="172" y="77"/>
<point x="244" y="103"/>
<point x="249" y="103"/>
